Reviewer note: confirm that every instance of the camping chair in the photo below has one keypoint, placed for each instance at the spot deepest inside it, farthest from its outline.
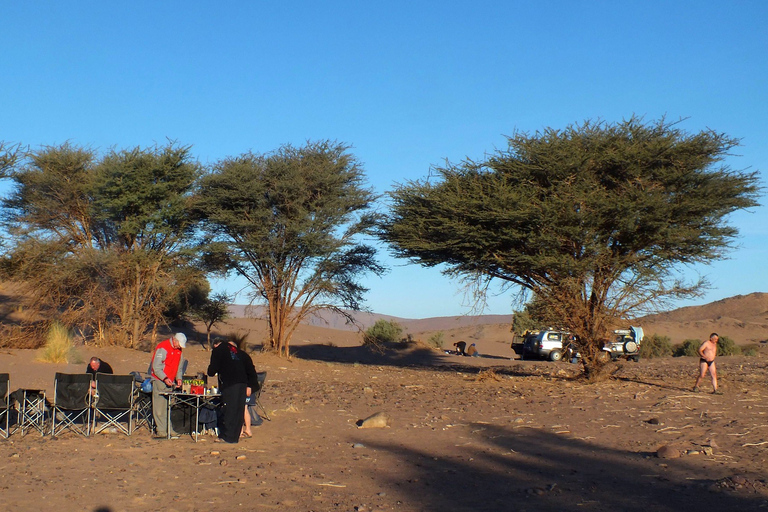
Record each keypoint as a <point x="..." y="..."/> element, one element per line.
<point x="71" y="403"/>
<point x="32" y="410"/>
<point x="114" y="405"/>
<point x="143" y="404"/>
<point x="5" y="405"/>
<point x="261" y="377"/>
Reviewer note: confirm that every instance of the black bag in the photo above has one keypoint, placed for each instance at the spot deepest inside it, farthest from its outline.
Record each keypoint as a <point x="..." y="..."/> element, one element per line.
<point x="207" y="418"/>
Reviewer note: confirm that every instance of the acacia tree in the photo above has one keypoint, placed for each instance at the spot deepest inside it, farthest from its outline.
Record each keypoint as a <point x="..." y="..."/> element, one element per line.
<point x="9" y="155"/>
<point x="594" y="220"/>
<point x="289" y="222"/>
<point x="211" y="311"/>
<point x="103" y="243"/>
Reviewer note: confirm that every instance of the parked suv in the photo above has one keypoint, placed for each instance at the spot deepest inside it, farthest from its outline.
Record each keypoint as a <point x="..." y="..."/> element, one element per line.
<point x="553" y="344"/>
<point x="546" y="343"/>
<point x="626" y="342"/>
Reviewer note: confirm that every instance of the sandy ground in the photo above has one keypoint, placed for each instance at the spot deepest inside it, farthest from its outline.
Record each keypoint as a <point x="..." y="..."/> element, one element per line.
<point x="494" y="435"/>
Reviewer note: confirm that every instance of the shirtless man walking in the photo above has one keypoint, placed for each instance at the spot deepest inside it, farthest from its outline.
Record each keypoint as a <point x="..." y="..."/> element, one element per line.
<point x="707" y="352"/>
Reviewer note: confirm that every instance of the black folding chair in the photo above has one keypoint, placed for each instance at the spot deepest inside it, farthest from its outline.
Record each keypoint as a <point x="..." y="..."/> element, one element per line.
<point x="114" y="404"/>
<point x="71" y="403"/>
<point x="143" y="406"/>
<point x="261" y="377"/>
<point x="5" y="405"/>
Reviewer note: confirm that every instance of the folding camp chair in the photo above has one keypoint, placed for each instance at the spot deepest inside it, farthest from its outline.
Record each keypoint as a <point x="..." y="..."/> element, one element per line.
<point x="32" y="410"/>
<point x="143" y="405"/>
<point x="261" y="377"/>
<point x="114" y="406"/>
<point x="5" y="404"/>
<point x="71" y="403"/>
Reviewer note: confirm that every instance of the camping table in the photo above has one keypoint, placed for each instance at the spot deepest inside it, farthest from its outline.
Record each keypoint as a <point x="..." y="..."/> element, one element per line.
<point x="31" y="409"/>
<point x="176" y="398"/>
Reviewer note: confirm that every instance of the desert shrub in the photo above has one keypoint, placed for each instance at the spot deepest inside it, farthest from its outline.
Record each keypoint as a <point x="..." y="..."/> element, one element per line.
<point x="59" y="347"/>
<point x="727" y="347"/>
<point x="488" y="374"/>
<point x="437" y="339"/>
<point x="750" y="350"/>
<point x="21" y="336"/>
<point x="688" y="347"/>
<point x="383" y="331"/>
<point x="656" y="346"/>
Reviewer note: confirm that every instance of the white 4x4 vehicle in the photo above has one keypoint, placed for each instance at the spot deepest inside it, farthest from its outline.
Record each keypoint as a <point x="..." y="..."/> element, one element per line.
<point x="553" y="343"/>
<point x="547" y="343"/>
<point x="626" y="342"/>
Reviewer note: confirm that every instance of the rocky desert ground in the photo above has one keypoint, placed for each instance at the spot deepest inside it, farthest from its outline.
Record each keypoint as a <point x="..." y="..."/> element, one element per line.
<point x="462" y="434"/>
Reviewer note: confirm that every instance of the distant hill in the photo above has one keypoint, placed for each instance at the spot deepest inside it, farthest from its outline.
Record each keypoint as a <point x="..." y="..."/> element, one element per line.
<point x="364" y="319"/>
<point x="744" y="318"/>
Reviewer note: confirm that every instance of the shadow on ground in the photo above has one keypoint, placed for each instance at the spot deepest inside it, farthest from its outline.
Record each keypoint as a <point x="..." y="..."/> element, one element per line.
<point x="424" y="358"/>
<point x="530" y="470"/>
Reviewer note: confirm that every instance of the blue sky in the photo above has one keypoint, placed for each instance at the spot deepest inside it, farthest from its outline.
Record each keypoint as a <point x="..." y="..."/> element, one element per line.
<point x="407" y="84"/>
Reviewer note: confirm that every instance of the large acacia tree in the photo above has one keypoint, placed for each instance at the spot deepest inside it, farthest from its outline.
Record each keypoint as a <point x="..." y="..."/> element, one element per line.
<point x="594" y="220"/>
<point x="103" y="243"/>
<point x="290" y="222"/>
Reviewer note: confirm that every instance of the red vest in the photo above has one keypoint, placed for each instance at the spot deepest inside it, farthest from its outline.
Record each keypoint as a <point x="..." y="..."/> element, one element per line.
<point x="172" y="359"/>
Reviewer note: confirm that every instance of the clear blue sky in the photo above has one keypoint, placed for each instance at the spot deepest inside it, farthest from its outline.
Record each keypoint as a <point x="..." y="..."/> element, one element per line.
<point x="407" y="84"/>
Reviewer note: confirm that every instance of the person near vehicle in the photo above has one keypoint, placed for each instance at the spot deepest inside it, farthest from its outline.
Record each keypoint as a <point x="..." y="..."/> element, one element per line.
<point x="228" y="363"/>
<point x="167" y="369"/>
<point x="472" y="351"/>
<point x="460" y="347"/>
<point x="707" y="353"/>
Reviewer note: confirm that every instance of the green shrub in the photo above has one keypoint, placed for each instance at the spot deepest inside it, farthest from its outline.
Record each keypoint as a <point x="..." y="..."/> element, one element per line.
<point x="383" y="331"/>
<point x="727" y="347"/>
<point x="437" y="339"/>
<point x="656" y="346"/>
<point x="750" y="350"/>
<point x="59" y="347"/>
<point x="688" y="347"/>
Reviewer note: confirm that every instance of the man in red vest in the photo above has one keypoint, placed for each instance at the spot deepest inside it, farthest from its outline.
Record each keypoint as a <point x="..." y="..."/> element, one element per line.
<point x="167" y="369"/>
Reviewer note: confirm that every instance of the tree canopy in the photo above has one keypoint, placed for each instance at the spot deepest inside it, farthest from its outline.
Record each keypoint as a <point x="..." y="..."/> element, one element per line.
<point x="289" y="222"/>
<point x="595" y="220"/>
<point x="102" y="242"/>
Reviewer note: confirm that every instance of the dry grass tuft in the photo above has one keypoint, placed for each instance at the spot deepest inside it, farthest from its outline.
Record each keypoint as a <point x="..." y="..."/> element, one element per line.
<point x="488" y="374"/>
<point x="59" y="346"/>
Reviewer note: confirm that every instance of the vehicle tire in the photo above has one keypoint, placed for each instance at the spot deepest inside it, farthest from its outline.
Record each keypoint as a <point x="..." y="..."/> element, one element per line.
<point x="630" y="347"/>
<point x="634" y="358"/>
<point x="555" y="355"/>
<point x="603" y="356"/>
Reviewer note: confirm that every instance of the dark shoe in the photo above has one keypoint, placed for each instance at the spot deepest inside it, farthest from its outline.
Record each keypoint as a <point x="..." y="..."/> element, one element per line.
<point x="717" y="392"/>
<point x="696" y="389"/>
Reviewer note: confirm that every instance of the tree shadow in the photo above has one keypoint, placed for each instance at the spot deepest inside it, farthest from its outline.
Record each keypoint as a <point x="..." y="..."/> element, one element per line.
<point x="637" y="380"/>
<point x="424" y="358"/>
<point x="531" y="470"/>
